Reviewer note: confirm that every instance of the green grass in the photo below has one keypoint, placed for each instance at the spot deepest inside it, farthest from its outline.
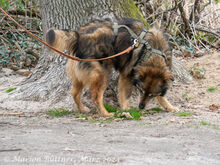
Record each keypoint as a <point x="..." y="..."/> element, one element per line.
<point x="110" y="108"/>
<point x="205" y="123"/>
<point x="81" y="116"/>
<point x="211" y="89"/>
<point x="184" y="114"/>
<point x="10" y="89"/>
<point x="154" y="110"/>
<point x="135" y="113"/>
<point x="107" y="121"/>
<point x="185" y="96"/>
<point x="157" y="109"/>
<point x="58" y="112"/>
<point x="216" y="127"/>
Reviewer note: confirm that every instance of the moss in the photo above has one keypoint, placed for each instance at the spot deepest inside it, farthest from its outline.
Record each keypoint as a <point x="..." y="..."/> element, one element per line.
<point x="130" y="10"/>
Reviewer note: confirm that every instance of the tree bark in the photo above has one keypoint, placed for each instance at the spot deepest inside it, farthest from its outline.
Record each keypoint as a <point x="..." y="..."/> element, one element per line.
<point x="48" y="81"/>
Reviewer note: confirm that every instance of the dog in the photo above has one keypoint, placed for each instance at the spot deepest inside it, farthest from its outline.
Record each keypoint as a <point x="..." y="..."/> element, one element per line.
<point x="97" y="39"/>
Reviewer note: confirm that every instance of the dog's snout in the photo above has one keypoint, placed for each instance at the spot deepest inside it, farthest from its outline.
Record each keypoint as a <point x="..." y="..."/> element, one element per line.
<point x="141" y="105"/>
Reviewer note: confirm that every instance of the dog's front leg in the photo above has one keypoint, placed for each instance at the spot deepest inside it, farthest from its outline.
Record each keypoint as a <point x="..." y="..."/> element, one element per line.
<point x="125" y="91"/>
<point x="165" y="104"/>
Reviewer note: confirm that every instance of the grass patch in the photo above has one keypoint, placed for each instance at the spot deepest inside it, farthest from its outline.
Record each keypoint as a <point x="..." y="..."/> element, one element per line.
<point x="211" y="89"/>
<point x="110" y="108"/>
<point x="157" y="109"/>
<point x="216" y="127"/>
<point x="184" y="114"/>
<point x="135" y="113"/>
<point x="205" y="123"/>
<point x="186" y="96"/>
<point x="81" y="116"/>
<point x="154" y="110"/>
<point x="58" y="112"/>
<point x="107" y="121"/>
<point x="10" y="89"/>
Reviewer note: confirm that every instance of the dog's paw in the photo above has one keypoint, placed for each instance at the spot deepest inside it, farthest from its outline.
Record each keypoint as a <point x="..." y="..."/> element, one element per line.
<point x="108" y="114"/>
<point x="85" y="110"/>
<point x="173" y="109"/>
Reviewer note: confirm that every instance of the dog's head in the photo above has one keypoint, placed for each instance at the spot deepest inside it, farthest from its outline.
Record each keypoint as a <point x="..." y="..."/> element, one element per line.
<point x="151" y="82"/>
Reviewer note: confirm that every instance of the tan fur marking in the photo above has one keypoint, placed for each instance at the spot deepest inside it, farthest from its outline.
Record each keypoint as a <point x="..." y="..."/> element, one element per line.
<point x="124" y="89"/>
<point x="165" y="104"/>
<point x="62" y="39"/>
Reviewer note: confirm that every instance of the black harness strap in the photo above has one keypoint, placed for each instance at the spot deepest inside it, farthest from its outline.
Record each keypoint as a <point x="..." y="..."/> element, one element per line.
<point x="140" y="40"/>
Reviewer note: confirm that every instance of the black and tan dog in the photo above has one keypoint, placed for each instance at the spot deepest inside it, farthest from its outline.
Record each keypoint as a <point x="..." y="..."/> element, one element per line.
<point x="97" y="40"/>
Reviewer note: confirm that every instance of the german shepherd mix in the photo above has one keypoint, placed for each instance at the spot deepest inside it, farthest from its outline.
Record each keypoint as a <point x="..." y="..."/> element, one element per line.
<point x="97" y="40"/>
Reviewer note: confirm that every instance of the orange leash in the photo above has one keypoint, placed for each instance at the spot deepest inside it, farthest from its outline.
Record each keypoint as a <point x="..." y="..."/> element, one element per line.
<point x="62" y="53"/>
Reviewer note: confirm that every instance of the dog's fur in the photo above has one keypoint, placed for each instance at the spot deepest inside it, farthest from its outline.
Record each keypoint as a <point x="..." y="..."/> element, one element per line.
<point x="97" y="40"/>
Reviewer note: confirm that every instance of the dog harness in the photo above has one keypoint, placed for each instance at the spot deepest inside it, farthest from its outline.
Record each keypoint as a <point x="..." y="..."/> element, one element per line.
<point x="140" y="40"/>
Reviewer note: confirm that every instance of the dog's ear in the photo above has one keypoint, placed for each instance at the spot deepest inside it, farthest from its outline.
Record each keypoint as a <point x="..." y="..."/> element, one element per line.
<point x="169" y="77"/>
<point x="138" y="74"/>
<point x="141" y="72"/>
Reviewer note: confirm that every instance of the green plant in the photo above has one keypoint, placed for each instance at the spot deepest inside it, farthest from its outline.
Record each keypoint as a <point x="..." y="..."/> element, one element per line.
<point x="154" y="110"/>
<point x="185" y="96"/>
<point x="205" y="123"/>
<point x="59" y="112"/>
<point x="212" y="88"/>
<point x="4" y="4"/>
<point x="184" y="114"/>
<point x="198" y="73"/>
<point x="10" y="89"/>
<point x="135" y="113"/>
<point x="157" y="109"/>
<point x="110" y="108"/>
<point x="216" y="127"/>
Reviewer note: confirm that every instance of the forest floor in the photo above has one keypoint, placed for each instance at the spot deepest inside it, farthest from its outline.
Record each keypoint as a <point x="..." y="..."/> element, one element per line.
<point x="28" y="135"/>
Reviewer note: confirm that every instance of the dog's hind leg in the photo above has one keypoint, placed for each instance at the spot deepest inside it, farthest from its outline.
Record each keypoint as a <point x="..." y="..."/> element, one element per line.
<point x="76" y="93"/>
<point x="125" y="91"/>
<point x="165" y="104"/>
<point x="97" y="87"/>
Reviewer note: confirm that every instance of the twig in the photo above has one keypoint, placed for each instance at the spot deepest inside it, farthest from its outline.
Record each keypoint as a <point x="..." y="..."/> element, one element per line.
<point x="207" y="31"/>
<point x="194" y="9"/>
<point x="183" y="15"/>
<point x="24" y="12"/>
<point x="162" y="12"/>
<point x="29" y="51"/>
<point x="12" y="114"/>
<point x="9" y="150"/>
<point x="2" y="19"/>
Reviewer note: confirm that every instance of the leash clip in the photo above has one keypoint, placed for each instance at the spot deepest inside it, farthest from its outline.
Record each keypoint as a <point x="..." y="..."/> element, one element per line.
<point x="135" y="44"/>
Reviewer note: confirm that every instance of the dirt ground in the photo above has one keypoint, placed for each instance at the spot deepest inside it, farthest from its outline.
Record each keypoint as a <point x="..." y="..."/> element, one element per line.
<point x="161" y="138"/>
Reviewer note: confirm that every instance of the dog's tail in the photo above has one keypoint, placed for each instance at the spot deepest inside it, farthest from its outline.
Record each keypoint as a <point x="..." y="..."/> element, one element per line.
<point x="62" y="39"/>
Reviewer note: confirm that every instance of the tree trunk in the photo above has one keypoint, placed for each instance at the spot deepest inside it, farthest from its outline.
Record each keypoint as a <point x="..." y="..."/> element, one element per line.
<point x="48" y="81"/>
